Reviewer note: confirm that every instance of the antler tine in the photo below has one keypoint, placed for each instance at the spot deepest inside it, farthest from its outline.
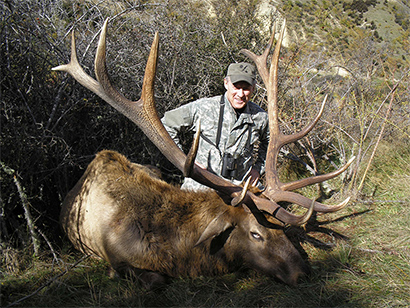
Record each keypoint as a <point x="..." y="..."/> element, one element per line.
<point x="276" y="136"/>
<point x="316" y="179"/>
<point x="286" y="139"/>
<point x="308" y="214"/>
<point x="239" y="199"/>
<point x="75" y="70"/>
<point x="261" y="60"/>
<point x="298" y="199"/>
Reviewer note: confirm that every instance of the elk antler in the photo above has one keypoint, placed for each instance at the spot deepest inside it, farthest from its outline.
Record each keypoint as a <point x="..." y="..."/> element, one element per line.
<point x="275" y="189"/>
<point x="144" y="114"/>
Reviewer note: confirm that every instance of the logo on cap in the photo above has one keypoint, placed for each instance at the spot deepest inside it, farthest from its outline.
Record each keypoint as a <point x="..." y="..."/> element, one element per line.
<point x="242" y="72"/>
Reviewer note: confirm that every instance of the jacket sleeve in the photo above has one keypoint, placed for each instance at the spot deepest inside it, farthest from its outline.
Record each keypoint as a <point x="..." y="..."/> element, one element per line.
<point x="178" y="118"/>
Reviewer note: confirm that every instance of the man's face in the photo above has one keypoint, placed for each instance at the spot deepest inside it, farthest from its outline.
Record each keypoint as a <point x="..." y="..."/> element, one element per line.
<point x="238" y="93"/>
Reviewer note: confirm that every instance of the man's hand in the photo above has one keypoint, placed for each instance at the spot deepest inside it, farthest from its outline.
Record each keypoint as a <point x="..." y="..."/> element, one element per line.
<point x="254" y="175"/>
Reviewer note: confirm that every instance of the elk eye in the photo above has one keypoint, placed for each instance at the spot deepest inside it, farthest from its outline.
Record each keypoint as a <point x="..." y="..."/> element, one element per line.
<point x="256" y="236"/>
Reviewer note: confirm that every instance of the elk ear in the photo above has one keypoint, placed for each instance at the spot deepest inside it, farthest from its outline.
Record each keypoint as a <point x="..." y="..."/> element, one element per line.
<point x="216" y="227"/>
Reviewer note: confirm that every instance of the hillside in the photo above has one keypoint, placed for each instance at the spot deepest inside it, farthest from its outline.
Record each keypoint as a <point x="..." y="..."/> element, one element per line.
<point x="332" y="22"/>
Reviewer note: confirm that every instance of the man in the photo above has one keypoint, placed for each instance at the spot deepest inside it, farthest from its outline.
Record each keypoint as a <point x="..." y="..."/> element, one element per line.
<point x="234" y="130"/>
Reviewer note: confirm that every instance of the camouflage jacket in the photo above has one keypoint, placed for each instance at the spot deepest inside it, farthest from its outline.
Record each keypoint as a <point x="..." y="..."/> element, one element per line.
<point x="245" y="137"/>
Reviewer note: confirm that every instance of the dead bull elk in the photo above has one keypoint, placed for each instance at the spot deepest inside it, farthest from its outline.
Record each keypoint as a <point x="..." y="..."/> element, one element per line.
<point x="123" y="213"/>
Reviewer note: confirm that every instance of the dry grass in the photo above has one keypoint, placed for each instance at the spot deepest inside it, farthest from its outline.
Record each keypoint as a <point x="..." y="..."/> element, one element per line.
<point x="368" y="268"/>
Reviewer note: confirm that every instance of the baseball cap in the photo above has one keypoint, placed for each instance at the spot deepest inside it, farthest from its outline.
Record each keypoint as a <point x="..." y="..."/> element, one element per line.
<point x="242" y="72"/>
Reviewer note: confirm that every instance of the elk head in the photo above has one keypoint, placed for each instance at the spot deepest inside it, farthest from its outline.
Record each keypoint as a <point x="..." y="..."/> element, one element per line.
<point x="144" y="114"/>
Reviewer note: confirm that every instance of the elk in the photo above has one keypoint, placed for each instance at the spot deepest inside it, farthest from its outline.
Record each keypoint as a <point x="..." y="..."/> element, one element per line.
<point x="125" y="214"/>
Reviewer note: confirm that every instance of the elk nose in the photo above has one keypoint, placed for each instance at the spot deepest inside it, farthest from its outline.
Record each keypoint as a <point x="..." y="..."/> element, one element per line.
<point x="292" y="279"/>
<point x="292" y="276"/>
